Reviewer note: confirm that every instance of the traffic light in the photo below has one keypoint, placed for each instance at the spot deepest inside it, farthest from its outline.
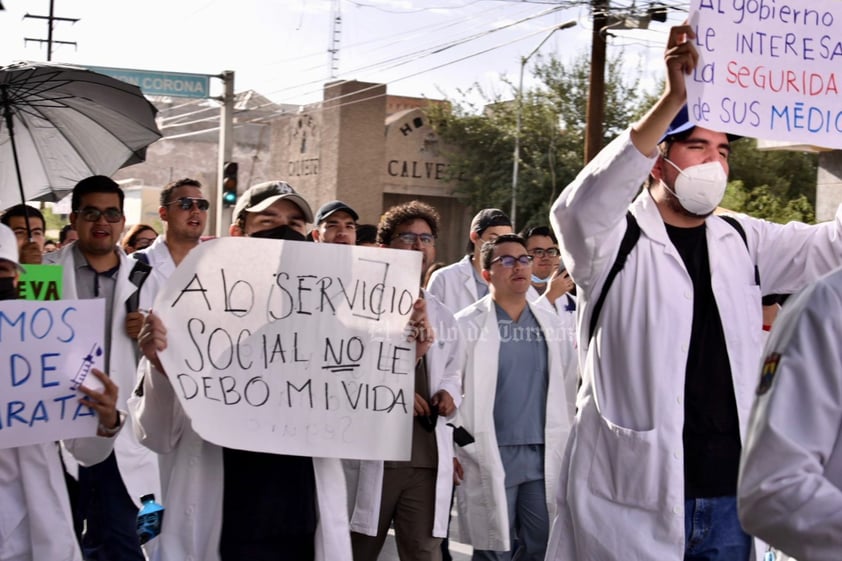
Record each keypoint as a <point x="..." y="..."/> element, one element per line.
<point x="229" y="184"/>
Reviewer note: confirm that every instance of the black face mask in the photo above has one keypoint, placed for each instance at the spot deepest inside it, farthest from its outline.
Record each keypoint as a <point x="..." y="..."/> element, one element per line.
<point x="8" y="290"/>
<point x="283" y="232"/>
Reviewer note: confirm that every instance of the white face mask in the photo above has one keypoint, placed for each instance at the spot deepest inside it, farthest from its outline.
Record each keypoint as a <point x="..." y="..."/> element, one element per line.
<point x="699" y="188"/>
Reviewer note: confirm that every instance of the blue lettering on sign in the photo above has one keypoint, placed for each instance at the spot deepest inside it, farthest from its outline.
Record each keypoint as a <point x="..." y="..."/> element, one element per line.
<point x="39" y="324"/>
<point x="20" y="369"/>
<point x="32" y="366"/>
<point x="810" y="118"/>
<point x="17" y="412"/>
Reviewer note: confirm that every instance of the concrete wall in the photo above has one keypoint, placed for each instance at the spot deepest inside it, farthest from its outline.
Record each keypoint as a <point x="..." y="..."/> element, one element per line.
<point x="359" y="145"/>
<point x="353" y="117"/>
<point x="829" y="185"/>
<point x="415" y="168"/>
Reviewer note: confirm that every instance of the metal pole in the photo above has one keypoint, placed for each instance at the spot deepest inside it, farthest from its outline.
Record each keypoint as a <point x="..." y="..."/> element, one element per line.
<point x="50" y="33"/>
<point x="221" y="219"/>
<point x="519" y="118"/>
<point x="516" y="159"/>
<point x="596" y="90"/>
<point x="7" y="114"/>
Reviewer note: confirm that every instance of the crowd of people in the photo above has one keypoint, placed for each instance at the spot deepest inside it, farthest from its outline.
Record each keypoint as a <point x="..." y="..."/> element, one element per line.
<point x="607" y="397"/>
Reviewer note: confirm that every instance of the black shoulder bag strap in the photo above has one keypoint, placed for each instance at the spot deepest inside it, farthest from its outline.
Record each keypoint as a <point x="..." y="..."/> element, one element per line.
<point x="138" y="276"/>
<point x="140" y="256"/>
<point x="739" y="228"/>
<point x="628" y="242"/>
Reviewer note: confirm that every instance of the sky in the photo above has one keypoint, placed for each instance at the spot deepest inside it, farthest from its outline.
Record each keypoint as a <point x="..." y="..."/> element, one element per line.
<point x="420" y="48"/>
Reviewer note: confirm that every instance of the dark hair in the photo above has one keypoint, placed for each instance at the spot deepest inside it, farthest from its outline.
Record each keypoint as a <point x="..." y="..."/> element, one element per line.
<point x="62" y="234"/>
<point x="130" y="238"/>
<point x="366" y="233"/>
<point x="21" y="210"/>
<point x="166" y="192"/>
<point x="95" y="184"/>
<point x="540" y="231"/>
<point x="403" y="213"/>
<point x="487" y="251"/>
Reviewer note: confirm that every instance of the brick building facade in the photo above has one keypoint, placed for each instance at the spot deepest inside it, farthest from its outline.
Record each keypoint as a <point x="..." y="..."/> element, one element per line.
<point x="358" y="145"/>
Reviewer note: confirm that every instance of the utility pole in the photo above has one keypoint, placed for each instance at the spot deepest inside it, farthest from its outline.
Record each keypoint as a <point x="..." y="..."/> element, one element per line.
<point x="596" y="90"/>
<point x="221" y="219"/>
<point x="49" y="40"/>
<point x="335" y="32"/>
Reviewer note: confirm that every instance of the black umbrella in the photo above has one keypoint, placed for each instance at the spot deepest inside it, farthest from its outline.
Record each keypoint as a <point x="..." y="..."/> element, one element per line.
<point x="64" y="123"/>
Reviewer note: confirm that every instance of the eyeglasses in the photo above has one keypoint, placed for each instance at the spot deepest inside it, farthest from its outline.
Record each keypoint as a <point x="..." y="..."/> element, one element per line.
<point x="186" y="203"/>
<point x="91" y="214"/>
<point x="142" y="243"/>
<point x="508" y="261"/>
<point x="409" y="238"/>
<point x="541" y="252"/>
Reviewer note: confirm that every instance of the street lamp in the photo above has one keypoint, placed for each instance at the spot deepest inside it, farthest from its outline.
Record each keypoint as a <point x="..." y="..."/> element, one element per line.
<point x="519" y="116"/>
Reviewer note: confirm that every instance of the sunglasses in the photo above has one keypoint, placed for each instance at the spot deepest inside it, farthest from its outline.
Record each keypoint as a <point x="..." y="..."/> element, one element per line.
<point x="91" y="214"/>
<point x="509" y="261"/>
<point x="186" y="203"/>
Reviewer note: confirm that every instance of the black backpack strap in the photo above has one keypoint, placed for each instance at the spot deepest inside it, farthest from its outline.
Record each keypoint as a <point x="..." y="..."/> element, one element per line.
<point x="628" y="242"/>
<point x="138" y="276"/>
<point x="741" y="231"/>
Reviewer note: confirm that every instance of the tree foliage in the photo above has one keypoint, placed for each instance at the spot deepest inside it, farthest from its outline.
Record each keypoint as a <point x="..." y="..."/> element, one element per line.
<point x="778" y="186"/>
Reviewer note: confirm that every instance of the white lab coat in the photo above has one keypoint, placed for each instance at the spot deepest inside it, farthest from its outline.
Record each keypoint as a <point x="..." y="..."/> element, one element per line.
<point x="568" y="340"/>
<point x="790" y="489"/>
<point x="35" y="519"/>
<point x="193" y="493"/>
<point x="481" y="498"/>
<point x="455" y="285"/>
<point x="445" y="360"/>
<point x="561" y="308"/>
<point x="138" y="465"/>
<point x="160" y="259"/>
<point x="621" y="494"/>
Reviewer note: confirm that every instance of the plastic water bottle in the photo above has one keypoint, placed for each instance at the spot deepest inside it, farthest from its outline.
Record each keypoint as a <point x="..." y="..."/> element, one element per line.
<point x="149" y="519"/>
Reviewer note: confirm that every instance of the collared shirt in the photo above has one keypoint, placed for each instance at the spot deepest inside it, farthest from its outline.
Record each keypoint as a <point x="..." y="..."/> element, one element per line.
<point x="424" y="450"/>
<point x="91" y="284"/>
<point x="520" y="401"/>
<point x="482" y="286"/>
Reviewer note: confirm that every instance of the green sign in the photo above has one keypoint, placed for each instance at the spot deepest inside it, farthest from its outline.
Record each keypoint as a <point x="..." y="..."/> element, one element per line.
<point x="40" y="282"/>
<point x="161" y="83"/>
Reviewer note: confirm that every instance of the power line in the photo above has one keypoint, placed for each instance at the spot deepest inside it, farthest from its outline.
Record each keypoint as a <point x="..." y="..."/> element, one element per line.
<point x="320" y="105"/>
<point x="400" y="60"/>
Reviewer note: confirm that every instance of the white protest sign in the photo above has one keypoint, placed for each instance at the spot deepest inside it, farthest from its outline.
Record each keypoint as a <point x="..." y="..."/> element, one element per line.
<point x="294" y="348"/>
<point x="47" y="350"/>
<point x="768" y="69"/>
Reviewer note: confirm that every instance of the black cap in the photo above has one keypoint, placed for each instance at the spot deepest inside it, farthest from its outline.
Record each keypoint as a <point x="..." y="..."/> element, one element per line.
<point x="488" y="217"/>
<point x="263" y="195"/>
<point x="681" y="126"/>
<point x="334" y="206"/>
